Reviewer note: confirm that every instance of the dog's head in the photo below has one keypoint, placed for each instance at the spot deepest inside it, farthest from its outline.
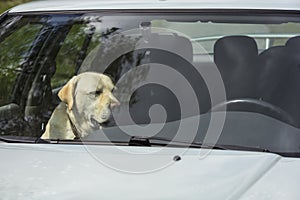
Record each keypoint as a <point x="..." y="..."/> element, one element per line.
<point x="89" y="99"/>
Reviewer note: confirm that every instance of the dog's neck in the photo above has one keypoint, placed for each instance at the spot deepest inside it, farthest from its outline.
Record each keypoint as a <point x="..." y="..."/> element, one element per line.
<point x="74" y="129"/>
<point x="83" y="130"/>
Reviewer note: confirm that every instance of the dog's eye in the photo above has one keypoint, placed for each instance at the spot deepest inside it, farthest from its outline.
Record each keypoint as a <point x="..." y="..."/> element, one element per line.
<point x="98" y="92"/>
<point x="95" y="93"/>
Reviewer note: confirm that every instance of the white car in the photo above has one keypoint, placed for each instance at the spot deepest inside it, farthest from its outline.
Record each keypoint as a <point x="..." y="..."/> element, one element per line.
<point x="208" y="94"/>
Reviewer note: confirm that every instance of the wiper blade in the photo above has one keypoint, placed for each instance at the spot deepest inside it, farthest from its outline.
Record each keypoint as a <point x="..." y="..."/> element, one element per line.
<point x="85" y="142"/>
<point x="21" y="139"/>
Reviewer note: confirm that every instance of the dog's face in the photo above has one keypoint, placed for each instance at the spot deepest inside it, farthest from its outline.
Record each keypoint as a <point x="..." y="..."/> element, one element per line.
<point x="89" y="99"/>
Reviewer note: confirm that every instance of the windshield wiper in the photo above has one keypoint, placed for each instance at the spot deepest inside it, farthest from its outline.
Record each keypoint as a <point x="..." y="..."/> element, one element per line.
<point x="244" y="148"/>
<point x="160" y="141"/>
<point x="21" y="139"/>
<point x="150" y="141"/>
<point x="134" y="141"/>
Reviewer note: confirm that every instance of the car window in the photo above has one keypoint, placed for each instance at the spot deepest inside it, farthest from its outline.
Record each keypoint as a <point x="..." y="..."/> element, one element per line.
<point x="118" y="73"/>
<point x="14" y="49"/>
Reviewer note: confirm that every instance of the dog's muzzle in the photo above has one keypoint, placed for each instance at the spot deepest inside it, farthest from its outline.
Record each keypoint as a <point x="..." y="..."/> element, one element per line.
<point x="102" y="120"/>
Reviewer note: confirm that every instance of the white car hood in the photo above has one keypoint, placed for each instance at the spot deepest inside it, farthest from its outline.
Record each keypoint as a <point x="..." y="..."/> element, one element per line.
<point x="49" y="171"/>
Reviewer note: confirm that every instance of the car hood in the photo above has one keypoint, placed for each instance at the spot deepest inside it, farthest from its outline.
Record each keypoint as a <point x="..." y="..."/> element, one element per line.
<point x="53" y="171"/>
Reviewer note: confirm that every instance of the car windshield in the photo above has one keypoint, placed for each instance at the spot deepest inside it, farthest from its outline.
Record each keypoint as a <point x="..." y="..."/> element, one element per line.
<point x="178" y="76"/>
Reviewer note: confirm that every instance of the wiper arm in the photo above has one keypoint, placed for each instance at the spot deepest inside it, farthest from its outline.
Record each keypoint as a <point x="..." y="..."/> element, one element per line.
<point x="149" y="141"/>
<point x="245" y="148"/>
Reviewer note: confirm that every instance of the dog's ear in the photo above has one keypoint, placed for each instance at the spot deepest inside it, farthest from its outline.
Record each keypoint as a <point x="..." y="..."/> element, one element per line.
<point x="66" y="94"/>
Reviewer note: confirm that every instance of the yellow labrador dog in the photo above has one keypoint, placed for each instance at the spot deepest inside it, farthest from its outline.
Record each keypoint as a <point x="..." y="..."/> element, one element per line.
<point x="87" y="100"/>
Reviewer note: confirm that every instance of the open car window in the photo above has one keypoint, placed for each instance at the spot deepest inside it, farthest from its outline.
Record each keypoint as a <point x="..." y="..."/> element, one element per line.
<point x="159" y="68"/>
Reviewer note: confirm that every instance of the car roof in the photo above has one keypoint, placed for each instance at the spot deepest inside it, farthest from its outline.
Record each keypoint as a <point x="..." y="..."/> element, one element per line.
<point x="76" y="5"/>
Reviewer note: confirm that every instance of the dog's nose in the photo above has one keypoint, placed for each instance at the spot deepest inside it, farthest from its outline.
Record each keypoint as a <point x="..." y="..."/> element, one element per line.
<point x="114" y="104"/>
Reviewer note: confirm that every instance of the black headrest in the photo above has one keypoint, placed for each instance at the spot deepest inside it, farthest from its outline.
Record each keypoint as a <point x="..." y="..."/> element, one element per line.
<point x="293" y="48"/>
<point x="233" y="50"/>
<point x="281" y="57"/>
<point x="274" y="63"/>
<point x="293" y="42"/>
